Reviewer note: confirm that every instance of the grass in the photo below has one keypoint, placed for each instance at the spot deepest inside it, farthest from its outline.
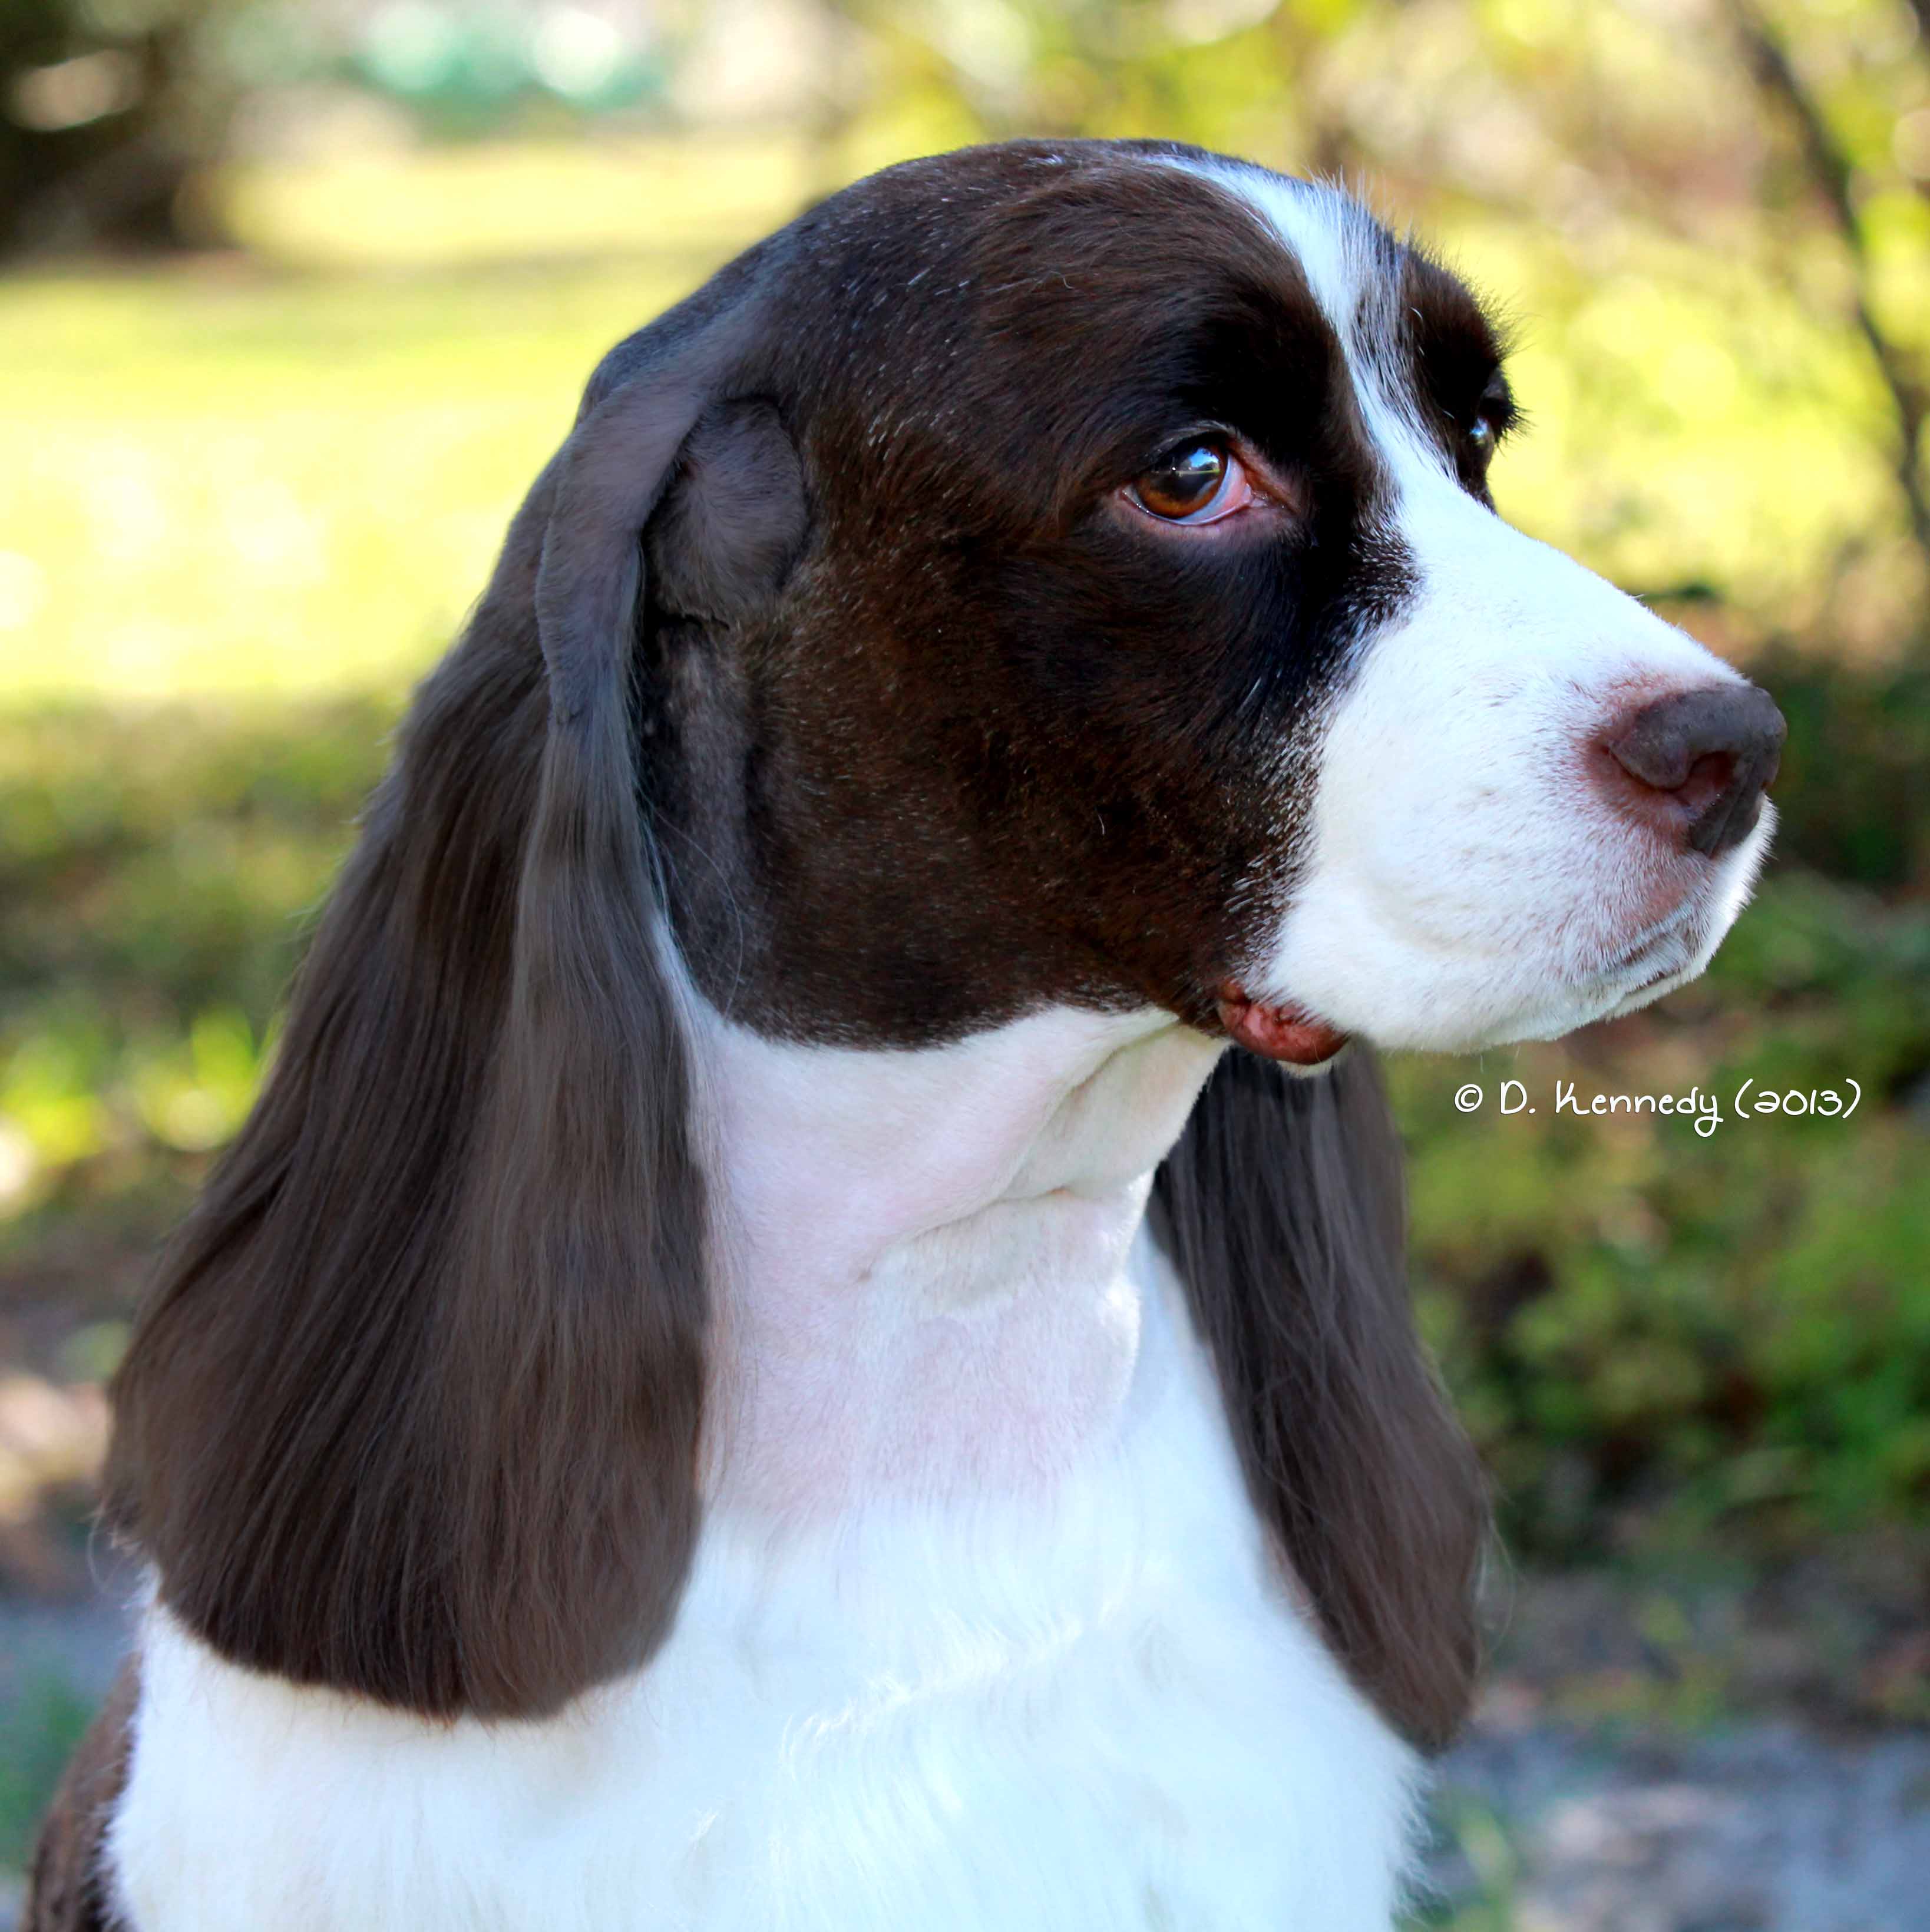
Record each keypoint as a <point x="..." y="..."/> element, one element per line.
<point x="264" y="484"/>
<point x="287" y="472"/>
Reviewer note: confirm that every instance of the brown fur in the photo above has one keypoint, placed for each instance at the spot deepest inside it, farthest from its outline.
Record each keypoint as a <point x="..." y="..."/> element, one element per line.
<point x="413" y="1408"/>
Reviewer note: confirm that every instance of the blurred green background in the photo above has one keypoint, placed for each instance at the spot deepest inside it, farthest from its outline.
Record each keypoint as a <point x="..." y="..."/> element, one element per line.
<point x="298" y="297"/>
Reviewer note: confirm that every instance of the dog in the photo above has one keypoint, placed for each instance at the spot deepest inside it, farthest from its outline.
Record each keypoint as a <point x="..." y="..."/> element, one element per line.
<point x="809" y="1330"/>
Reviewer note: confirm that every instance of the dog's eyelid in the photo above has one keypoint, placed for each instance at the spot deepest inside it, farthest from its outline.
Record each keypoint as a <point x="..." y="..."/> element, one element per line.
<point x="1495" y="405"/>
<point x="1274" y="485"/>
<point x="1166" y="443"/>
<point x="1287" y="486"/>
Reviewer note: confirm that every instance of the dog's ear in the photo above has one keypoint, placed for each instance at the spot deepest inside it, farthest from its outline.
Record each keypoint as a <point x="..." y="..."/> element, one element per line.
<point x="1282" y="1209"/>
<point x="412" y="1409"/>
<point x="733" y="521"/>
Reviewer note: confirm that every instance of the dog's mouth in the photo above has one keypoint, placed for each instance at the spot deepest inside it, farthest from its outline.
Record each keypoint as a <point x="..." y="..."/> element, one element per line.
<point x="1276" y="1031"/>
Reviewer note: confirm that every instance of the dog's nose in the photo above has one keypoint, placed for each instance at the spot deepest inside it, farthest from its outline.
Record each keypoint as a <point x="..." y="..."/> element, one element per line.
<point x="1701" y="761"/>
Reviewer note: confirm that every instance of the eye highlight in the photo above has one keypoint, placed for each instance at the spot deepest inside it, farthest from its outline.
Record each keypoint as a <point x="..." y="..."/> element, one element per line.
<point x="1494" y="415"/>
<point x="1196" y="481"/>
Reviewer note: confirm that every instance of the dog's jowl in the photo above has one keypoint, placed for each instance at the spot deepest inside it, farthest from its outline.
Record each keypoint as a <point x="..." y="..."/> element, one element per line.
<point x="809" y="1329"/>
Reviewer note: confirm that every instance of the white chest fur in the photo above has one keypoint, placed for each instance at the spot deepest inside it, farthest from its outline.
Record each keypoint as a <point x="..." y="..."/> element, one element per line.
<point x="1103" y="1712"/>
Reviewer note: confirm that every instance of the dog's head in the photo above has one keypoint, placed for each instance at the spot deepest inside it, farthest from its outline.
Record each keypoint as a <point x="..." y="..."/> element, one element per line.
<point x="1081" y="585"/>
<point x="1041" y="575"/>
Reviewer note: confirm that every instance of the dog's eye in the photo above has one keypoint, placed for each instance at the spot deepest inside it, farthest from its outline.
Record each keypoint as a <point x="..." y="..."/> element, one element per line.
<point x="1197" y="482"/>
<point x="1493" y="415"/>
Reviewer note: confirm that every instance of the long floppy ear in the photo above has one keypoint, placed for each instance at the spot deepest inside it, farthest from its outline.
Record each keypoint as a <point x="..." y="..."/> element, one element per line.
<point x="1282" y="1208"/>
<point x="413" y="1408"/>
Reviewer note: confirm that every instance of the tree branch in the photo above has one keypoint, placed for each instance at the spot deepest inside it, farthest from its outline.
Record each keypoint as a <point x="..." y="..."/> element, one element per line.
<point x="1829" y="168"/>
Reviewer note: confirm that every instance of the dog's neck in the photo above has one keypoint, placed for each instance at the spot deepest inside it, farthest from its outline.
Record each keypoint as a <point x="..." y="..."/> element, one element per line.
<point x="924" y="1292"/>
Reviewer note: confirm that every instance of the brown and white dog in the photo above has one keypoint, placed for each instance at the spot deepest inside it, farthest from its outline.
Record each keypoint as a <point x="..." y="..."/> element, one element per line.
<point x="759" y="1363"/>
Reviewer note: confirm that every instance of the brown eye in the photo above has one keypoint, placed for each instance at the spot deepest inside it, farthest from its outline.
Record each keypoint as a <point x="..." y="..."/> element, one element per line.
<point x="1187" y="483"/>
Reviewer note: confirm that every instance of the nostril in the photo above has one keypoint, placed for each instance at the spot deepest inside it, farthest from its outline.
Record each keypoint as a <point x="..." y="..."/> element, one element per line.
<point x="1701" y="761"/>
<point x="1709" y="776"/>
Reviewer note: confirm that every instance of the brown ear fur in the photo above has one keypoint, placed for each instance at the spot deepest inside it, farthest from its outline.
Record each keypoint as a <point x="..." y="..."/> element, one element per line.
<point x="1282" y="1208"/>
<point x="412" y="1409"/>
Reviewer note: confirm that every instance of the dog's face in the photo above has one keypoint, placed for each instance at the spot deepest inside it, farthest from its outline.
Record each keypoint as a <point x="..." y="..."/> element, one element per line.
<point x="1129" y="622"/>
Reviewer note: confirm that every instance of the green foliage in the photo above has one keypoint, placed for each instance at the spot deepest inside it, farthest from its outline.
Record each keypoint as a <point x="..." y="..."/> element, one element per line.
<point x="156" y="870"/>
<point x="1859" y="757"/>
<point x="39" y="1728"/>
<point x="1652" y="1327"/>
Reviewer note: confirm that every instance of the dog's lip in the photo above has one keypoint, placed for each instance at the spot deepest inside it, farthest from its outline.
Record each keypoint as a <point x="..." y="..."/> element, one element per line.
<point x="1276" y="1029"/>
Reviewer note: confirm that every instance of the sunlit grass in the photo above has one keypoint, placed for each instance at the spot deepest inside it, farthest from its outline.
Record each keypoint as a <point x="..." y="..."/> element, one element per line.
<point x="413" y="208"/>
<point x="236" y="482"/>
<point x="290" y="474"/>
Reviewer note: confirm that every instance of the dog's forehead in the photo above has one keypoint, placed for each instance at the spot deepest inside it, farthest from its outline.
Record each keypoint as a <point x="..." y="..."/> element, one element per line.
<point x="1088" y="243"/>
<point x="1395" y="307"/>
<point x="1352" y="267"/>
<point x="1030" y="294"/>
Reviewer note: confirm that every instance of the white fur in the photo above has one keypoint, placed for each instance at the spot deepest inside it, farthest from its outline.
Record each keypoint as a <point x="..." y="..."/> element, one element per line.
<point x="1055" y="1680"/>
<point x="1464" y="884"/>
<point x="923" y="1267"/>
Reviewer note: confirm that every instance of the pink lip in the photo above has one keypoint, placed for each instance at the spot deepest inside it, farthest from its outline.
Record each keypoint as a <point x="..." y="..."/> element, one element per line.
<point x="1281" y="1033"/>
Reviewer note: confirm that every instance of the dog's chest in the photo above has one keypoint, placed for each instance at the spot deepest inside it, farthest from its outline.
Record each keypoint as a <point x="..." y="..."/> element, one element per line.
<point x="1105" y="1716"/>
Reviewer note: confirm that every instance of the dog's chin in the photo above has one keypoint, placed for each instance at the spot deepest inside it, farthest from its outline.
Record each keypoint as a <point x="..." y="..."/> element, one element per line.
<point x="1458" y="1018"/>
<point x="1676" y="951"/>
<point x="1669" y="959"/>
<point x="1369" y="978"/>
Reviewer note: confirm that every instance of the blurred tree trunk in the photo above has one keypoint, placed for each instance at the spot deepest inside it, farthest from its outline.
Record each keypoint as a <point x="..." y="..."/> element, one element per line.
<point x="1829" y="169"/>
<point x="101" y="125"/>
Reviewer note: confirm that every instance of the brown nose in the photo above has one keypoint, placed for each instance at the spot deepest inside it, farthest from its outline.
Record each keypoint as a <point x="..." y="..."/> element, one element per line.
<point x="1701" y="761"/>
